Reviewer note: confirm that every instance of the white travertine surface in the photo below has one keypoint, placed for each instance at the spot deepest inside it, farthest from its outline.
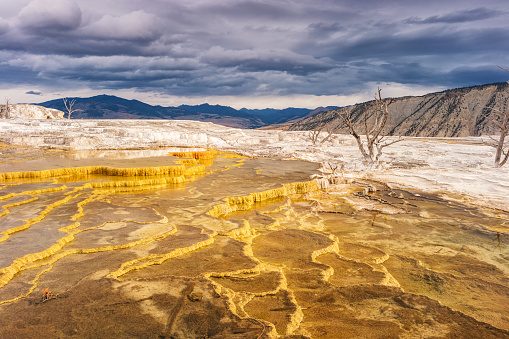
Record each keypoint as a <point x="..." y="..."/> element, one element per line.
<point x="448" y="165"/>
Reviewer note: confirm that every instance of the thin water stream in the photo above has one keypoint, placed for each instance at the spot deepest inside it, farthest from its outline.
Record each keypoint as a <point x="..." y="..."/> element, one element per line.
<point x="233" y="248"/>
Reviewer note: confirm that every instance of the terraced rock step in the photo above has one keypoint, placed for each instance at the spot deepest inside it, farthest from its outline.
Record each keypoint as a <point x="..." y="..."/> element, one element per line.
<point x="247" y="248"/>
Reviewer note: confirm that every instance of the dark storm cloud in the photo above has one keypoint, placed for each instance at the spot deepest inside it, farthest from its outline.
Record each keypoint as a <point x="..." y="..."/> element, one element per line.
<point x="252" y="47"/>
<point x="33" y="93"/>
<point x="259" y="61"/>
<point x="59" y="27"/>
<point x="415" y="73"/>
<point x="430" y="42"/>
<point x="469" y="76"/>
<point x="457" y="17"/>
<point x="13" y="75"/>
<point x="134" y="27"/>
<point x="324" y="30"/>
<point x="253" y="9"/>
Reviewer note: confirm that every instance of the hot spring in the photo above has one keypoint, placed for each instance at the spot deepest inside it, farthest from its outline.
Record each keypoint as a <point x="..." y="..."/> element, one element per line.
<point x="194" y="243"/>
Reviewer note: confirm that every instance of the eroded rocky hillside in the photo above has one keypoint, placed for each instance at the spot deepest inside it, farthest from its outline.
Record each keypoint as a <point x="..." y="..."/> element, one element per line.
<point x="458" y="112"/>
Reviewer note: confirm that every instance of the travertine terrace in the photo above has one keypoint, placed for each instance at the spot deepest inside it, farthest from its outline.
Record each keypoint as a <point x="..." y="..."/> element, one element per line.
<point x="115" y="229"/>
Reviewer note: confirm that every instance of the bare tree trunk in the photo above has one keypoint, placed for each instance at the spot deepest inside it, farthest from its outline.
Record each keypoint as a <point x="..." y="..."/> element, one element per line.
<point x="502" y="154"/>
<point x="6" y="110"/>
<point x="69" y="107"/>
<point x="504" y="131"/>
<point x="371" y="149"/>
<point x="324" y="129"/>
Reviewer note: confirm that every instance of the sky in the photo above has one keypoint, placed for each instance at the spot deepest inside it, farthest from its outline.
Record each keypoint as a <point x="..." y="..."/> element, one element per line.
<point x="249" y="53"/>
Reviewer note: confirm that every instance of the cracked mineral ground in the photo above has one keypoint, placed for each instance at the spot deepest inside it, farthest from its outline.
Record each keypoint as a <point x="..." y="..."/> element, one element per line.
<point x="192" y="243"/>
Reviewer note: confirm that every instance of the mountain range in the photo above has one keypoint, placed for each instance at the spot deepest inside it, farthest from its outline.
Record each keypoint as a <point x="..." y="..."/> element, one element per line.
<point x="112" y="107"/>
<point x="461" y="112"/>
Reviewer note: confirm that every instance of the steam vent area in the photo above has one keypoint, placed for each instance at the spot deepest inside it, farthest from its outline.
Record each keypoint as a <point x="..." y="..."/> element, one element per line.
<point x="197" y="243"/>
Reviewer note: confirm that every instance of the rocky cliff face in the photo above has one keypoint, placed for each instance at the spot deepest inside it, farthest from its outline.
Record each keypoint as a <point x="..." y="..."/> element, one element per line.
<point x="452" y="113"/>
<point x="23" y="111"/>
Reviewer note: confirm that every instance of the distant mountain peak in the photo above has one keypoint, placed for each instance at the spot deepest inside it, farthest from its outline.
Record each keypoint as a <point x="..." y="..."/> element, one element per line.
<point x="106" y="106"/>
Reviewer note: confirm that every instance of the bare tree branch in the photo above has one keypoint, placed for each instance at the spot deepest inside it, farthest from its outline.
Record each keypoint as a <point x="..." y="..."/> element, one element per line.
<point x="322" y="127"/>
<point x="505" y="69"/>
<point x="5" y="111"/>
<point x="69" y="107"/>
<point x="347" y="119"/>
<point x="372" y="148"/>
<point x="501" y="155"/>
<point x="503" y="162"/>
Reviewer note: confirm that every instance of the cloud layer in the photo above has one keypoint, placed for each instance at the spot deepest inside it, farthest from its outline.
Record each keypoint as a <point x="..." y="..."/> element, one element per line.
<point x="251" y="48"/>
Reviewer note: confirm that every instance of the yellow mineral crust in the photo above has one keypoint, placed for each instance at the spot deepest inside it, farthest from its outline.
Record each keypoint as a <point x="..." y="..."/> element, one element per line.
<point x="243" y="233"/>
<point x="195" y="170"/>
<point x="296" y="317"/>
<point x="188" y="162"/>
<point x="230" y="155"/>
<point x="279" y="209"/>
<point x="143" y="182"/>
<point x="19" y="203"/>
<point x="179" y="174"/>
<point x="239" y="163"/>
<point x="34" y="192"/>
<point x="18" y="184"/>
<point x="80" y="213"/>
<point x="198" y="155"/>
<point x="227" y="167"/>
<point x="176" y="170"/>
<point x="157" y="259"/>
<point x="174" y="175"/>
<point x="28" y="223"/>
<point x="333" y="248"/>
<point x="56" y="252"/>
<point x="244" y="203"/>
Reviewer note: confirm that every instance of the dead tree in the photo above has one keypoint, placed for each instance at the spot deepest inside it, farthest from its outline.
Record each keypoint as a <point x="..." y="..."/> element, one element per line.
<point x="371" y="148"/>
<point x="69" y="106"/>
<point x="5" y="112"/>
<point x="501" y="154"/>
<point x="502" y="149"/>
<point x="322" y="132"/>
